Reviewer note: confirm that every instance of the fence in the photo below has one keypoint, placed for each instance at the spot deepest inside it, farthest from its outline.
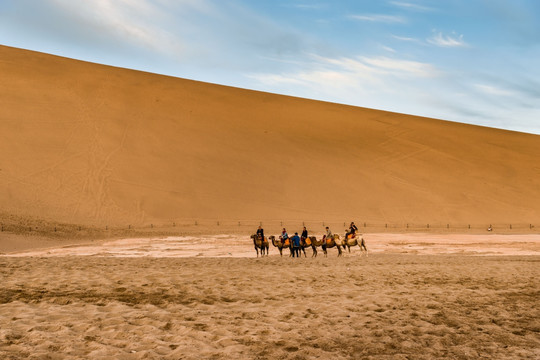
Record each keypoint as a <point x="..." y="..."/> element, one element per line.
<point x="249" y="226"/>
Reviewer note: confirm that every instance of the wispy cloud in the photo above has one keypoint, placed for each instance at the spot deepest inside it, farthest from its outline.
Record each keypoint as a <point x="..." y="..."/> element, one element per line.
<point x="441" y="40"/>
<point x="382" y="18"/>
<point x="493" y="90"/>
<point x="387" y="48"/>
<point x="306" y="6"/>
<point x="359" y="72"/>
<point x="411" y="6"/>
<point x="405" y="38"/>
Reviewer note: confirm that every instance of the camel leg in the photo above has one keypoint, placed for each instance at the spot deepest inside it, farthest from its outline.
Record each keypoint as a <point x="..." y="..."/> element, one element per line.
<point x="304" y="250"/>
<point x="339" y="250"/>
<point x="257" y="250"/>
<point x="314" y="251"/>
<point x="363" y="245"/>
<point x="280" y="251"/>
<point x="324" y="250"/>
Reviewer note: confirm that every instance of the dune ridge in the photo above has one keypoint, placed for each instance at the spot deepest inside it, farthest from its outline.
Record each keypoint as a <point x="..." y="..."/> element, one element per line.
<point x="92" y="144"/>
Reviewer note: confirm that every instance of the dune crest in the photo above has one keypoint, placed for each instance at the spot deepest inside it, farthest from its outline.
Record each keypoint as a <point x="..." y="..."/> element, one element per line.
<point x="93" y="144"/>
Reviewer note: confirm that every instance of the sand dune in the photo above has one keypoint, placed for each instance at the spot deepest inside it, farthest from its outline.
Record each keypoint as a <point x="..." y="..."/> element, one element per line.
<point x="91" y="144"/>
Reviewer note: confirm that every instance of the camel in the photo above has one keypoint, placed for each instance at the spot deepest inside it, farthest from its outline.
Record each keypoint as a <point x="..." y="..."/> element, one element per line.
<point x="353" y="240"/>
<point x="314" y="243"/>
<point x="305" y="243"/>
<point x="333" y="242"/>
<point x="262" y="245"/>
<point x="281" y="245"/>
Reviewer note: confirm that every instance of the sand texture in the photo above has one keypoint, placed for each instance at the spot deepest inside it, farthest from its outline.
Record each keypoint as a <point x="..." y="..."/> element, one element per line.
<point x="83" y="143"/>
<point x="385" y="306"/>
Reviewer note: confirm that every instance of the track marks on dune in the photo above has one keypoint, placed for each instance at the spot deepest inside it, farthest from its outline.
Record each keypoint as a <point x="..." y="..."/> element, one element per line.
<point x="94" y="191"/>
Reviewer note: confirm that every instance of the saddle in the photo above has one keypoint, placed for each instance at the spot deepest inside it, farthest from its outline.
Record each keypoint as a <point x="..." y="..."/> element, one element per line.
<point x="351" y="236"/>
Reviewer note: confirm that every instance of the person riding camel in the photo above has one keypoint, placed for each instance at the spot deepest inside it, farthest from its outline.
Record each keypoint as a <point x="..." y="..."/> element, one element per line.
<point x="352" y="231"/>
<point x="260" y="234"/>
<point x="304" y="236"/>
<point x="328" y="235"/>
<point x="284" y="236"/>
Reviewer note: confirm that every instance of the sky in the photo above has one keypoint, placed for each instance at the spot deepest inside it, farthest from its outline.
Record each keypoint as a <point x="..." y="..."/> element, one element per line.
<point x="469" y="61"/>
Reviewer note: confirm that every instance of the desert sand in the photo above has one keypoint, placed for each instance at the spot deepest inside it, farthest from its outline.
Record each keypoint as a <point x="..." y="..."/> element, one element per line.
<point x="83" y="143"/>
<point x="127" y="200"/>
<point x="415" y="296"/>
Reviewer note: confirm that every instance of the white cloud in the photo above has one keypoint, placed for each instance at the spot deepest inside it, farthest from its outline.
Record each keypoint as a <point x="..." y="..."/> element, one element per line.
<point x="399" y="67"/>
<point x="379" y="18"/>
<point x="404" y="38"/>
<point x="439" y="39"/>
<point x="135" y="22"/>
<point x="411" y="6"/>
<point x="360" y="74"/>
<point x="387" y="48"/>
<point x="493" y="90"/>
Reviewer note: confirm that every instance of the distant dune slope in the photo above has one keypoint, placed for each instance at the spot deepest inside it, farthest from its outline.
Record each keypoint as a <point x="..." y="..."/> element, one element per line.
<point x="93" y="144"/>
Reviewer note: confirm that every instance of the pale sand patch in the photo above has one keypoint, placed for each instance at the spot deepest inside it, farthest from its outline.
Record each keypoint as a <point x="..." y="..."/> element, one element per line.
<point x="383" y="306"/>
<point x="242" y="246"/>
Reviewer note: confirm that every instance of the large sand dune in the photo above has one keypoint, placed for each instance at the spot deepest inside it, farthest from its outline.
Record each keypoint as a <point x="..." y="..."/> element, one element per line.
<point x="91" y="144"/>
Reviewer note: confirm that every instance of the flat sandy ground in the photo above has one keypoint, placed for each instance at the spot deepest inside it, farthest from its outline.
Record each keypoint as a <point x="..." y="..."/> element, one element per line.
<point x="415" y="296"/>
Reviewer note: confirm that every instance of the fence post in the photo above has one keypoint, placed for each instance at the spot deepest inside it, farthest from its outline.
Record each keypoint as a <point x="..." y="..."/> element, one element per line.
<point x="151" y="226"/>
<point x="386" y="226"/>
<point x="448" y="226"/>
<point x="218" y="223"/>
<point x="428" y="226"/>
<point x="510" y="226"/>
<point x="196" y="223"/>
<point x="364" y="224"/>
<point x="530" y="227"/>
<point x="281" y="223"/>
<point x="174" y="224"/>
<point x="129" y="227"/>
<point x="407" y="226"/>
<point x="107" y="227"/>
<point x="469" y="226"/>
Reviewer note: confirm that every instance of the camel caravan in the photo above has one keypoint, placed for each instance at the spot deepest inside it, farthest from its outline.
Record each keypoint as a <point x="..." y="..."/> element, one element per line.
<point x="298" y="244"/>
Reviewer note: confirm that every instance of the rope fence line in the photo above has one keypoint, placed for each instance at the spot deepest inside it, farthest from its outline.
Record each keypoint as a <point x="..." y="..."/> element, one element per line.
<point x="296" y="225"/>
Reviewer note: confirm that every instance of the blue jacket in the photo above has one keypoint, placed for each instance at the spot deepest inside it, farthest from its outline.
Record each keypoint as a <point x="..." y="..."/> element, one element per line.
<point x="296" y="241"/>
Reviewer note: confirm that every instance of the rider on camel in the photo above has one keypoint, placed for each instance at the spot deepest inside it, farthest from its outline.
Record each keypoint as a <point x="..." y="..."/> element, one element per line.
<point x="284" y="236"/>
<point x="352" y="230"/>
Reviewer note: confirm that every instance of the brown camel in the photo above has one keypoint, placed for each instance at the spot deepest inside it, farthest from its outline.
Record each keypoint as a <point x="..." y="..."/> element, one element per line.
<point x="280" y="245"/>
<point x="353" y="240"/>
<point x="314" y="243"/>
<point x="332" y="242"/>
<point x="260" y="244"/>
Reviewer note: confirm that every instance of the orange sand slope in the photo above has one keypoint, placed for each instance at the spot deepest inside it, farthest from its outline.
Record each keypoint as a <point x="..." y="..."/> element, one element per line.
<point x="92" y="144"/>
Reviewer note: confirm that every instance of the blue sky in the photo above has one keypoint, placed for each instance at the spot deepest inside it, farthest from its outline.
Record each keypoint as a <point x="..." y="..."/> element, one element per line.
<point x="472" y="61"/>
